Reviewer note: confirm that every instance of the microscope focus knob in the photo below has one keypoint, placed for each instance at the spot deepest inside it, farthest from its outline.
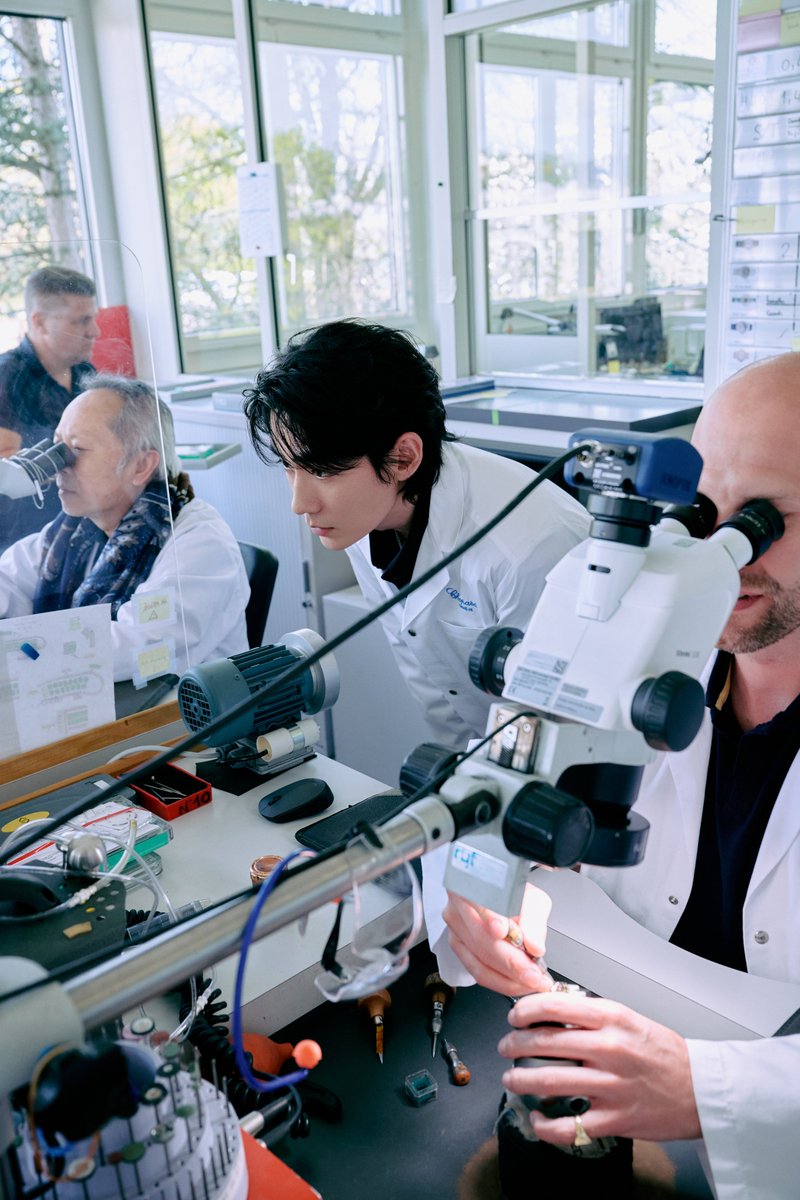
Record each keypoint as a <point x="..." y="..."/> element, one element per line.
<point x="423" y="767"/>
<point x="668" y="710"/>
<point x="487" y="659"/>
<point x="548" y="826"/>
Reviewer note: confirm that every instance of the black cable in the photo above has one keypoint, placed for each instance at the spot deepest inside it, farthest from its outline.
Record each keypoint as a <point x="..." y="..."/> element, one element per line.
<point x="97" y="957"/>
<point x="301" y="665"/>
<point x="302" y="864"/>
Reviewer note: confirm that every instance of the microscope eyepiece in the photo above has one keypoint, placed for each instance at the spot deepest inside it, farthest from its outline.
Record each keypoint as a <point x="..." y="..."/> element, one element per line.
<point x="761" y="524"/>
<point x="698" y="518"/>
<point x="29" y="472"/>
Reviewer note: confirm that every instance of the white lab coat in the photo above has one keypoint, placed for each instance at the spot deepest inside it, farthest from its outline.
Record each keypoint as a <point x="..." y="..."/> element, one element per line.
<point x="747" y="1092"/>
<point x="497" y="582"/>
<point x="201" y="565"/>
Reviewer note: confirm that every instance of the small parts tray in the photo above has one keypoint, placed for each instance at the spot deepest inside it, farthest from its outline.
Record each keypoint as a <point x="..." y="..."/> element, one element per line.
<point x="170" y="792"/>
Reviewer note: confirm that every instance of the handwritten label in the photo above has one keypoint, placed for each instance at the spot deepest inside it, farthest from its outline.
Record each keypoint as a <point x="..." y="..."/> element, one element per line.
<point x="790" y="28"/>
<point x="155" y="660"/>
<point x="151" y="609"/>
<point x="755" y="218"/>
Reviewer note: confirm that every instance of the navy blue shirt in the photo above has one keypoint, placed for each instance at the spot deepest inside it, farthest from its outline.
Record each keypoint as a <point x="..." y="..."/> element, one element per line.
<point x="746" y="771"/>
<point x="395" y="555"/>
<point x="31" y="403"/>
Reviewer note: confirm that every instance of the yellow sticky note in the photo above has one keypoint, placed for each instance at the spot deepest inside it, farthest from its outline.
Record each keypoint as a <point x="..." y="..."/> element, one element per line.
<point x="755" y="218"/>
<point x="790" y="28"/>
<point x="750" y="8"/>
<point x="613" y="366"/>
<point x="155" y="660"/>
<point x="15" y="822"/>
<point x="151" y="608"/>
<point x="796" y="343"/>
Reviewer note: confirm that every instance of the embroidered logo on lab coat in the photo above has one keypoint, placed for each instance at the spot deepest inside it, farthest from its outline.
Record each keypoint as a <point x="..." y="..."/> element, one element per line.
<point x="466" y="605"/>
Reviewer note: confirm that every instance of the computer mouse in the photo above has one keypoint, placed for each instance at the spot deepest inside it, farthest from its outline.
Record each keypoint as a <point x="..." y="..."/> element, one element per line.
<point x="305" y="798"/>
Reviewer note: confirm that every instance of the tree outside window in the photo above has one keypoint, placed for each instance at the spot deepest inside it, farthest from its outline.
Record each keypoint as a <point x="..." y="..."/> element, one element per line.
<point x="39" y="193"/>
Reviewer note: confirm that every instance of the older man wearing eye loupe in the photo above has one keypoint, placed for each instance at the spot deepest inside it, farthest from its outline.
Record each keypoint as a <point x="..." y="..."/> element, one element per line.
<point x="721" y="875"/>
<point x="131" y="527"/>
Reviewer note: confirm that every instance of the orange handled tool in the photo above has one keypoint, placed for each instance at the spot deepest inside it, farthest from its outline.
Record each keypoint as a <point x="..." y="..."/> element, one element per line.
<point x="459" y="1072"/>
<point x="437" y="993"/>
<point x="375" y="1006"/>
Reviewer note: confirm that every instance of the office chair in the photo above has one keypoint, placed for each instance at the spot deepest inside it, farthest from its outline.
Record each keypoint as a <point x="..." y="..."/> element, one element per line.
<point x="261" y="567"/>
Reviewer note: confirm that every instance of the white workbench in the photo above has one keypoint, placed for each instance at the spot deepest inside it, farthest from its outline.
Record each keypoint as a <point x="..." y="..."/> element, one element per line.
<point x="209" y="858"/>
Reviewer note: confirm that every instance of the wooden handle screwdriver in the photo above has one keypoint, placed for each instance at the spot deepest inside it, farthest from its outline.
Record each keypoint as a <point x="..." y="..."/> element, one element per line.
<point x="375" y="1006"/>
<point x="438" y="993"/>
<point x="459" y="1071"/>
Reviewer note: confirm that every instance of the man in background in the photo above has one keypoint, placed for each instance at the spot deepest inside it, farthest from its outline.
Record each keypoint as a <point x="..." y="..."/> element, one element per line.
<point x="41" y="375"/>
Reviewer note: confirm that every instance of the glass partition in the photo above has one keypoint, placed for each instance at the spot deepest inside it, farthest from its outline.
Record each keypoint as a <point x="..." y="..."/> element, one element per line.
<point x="114" y="578"/>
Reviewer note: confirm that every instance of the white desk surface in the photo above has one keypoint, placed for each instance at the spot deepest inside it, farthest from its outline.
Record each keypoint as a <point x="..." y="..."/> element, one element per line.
<point x="209" y="858"/>
<point x="521" y="439"/>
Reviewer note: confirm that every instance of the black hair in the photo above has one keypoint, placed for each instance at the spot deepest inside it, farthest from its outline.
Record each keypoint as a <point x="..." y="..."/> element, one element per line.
<point x="346" y="391"/>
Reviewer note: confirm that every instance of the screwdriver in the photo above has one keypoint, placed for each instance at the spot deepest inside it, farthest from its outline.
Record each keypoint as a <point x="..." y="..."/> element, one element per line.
<point x="375" y="1006"/>
<point x="459" y="1071"/>
<point x="438" y="993"/>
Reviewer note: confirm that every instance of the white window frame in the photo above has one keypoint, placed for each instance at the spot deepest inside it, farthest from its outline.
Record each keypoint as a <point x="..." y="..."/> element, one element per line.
<point x="404" y="38"/>
<point x="327" y="28"/>
<point x="98" y="214"/>
<point x="466" y="251"/>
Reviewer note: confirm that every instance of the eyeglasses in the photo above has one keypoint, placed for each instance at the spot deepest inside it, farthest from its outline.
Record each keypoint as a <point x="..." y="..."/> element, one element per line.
<point x="378" y="953"/>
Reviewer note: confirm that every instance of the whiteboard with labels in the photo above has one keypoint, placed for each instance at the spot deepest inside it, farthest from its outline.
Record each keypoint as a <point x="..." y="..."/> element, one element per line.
<point x="763" y="262"/>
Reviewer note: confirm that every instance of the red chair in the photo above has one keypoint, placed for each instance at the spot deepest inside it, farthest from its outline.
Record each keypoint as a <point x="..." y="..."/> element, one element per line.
<point x="113" y="350"/>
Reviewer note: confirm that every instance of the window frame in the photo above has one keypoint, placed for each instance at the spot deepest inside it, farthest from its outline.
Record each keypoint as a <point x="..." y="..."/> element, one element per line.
<point x="316" y="27"/>
<point x="88" y="133"/>
<point x="628" y="61"/>
<point x="403" y="37"/>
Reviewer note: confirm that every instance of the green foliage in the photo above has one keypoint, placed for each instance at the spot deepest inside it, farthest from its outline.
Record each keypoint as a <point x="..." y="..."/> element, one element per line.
<point x="216" y="285"/>
<point x="37" y="194"/>
<point x="326" y="198"/>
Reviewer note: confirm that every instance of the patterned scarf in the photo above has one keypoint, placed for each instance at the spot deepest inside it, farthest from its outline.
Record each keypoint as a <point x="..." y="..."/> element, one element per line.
<point x="124" y="560"/>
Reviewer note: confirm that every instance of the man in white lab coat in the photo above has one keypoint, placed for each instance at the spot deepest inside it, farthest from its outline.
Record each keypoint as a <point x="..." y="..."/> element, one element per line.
<point x="721" y="875"/>
<point x="130" y="530"/>
<point x="354" y="413"/>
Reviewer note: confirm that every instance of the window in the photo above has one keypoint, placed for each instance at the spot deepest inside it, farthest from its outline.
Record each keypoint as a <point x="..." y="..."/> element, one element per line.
<point x="589" y="166"/>
<point x="334" y="128"/>
<point x="334" y="118"/>
<point x="331" y="89"/>
<point x="201" y="126"/>
<point x="40" y="193"/>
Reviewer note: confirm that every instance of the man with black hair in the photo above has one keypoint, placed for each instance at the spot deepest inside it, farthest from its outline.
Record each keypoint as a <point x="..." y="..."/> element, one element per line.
<point x="40" y="376"/>
<point x="354" y="413"/>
